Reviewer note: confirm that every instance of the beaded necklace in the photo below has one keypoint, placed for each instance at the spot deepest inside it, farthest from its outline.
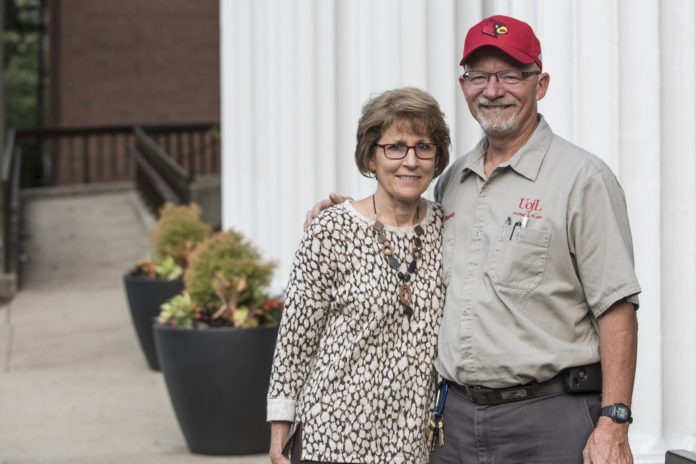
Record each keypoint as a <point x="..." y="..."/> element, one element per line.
<point x="403" y="270"/>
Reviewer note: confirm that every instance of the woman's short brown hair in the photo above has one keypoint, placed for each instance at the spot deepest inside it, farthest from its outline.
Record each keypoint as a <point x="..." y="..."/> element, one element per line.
<point x="410" y="108"/>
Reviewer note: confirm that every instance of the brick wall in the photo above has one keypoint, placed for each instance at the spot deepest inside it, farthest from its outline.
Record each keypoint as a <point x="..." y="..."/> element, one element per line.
<point x="133" y="61"/>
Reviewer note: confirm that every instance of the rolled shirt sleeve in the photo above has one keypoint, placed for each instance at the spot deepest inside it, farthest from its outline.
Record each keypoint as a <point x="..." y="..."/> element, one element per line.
<point x="303" y="321"/>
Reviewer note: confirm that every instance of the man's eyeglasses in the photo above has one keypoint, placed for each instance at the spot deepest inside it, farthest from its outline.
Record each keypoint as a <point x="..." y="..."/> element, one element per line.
<point x="507" y="77"/>
<point x="395" y="151"/>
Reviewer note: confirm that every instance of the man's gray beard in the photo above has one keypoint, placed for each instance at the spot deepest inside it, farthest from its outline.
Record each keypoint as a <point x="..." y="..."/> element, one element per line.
<point x="497" y="126"/>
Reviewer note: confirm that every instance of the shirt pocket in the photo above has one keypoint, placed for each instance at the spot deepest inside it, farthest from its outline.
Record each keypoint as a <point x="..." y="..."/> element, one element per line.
<point x="519" y="263"/>
<point x="448" y="236"/>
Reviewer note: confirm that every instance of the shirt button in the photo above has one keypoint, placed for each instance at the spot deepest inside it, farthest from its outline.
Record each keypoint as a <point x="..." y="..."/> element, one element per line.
<point x="484" y="193"/>
<point x="465" y="312"/>
<point x="477" y="233"/>
<point x="467" y="354"/>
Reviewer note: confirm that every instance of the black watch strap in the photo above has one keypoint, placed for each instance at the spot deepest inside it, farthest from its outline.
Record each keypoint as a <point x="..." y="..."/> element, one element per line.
<point x="618" y="412"/>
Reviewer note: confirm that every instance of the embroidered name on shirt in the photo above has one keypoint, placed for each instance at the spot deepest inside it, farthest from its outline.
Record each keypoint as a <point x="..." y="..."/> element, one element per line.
<point x="449" y="216"/>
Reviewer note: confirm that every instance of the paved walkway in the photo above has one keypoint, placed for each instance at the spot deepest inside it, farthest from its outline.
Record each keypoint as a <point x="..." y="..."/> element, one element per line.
<point x="74" y="385"/>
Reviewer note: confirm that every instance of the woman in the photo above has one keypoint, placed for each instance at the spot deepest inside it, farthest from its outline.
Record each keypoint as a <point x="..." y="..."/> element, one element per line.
<point x="352" y="372"/>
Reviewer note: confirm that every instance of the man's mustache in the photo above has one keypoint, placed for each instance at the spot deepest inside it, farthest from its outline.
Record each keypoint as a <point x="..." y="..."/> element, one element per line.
<point x="495" y="103"/>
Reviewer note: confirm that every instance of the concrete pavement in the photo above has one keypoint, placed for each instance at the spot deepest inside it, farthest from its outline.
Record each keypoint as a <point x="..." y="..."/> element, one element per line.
<point x="74" y="385"/>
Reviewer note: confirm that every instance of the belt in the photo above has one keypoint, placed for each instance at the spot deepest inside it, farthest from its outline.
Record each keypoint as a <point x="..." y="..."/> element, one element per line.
<point x="484" y="395"/>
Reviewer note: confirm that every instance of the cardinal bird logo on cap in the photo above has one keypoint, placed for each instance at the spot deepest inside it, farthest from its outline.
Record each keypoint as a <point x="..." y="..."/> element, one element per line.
<point x="494" y="28"/>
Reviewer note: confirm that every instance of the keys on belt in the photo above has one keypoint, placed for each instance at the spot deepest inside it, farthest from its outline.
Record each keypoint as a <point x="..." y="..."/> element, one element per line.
<point x="435" y="432"/>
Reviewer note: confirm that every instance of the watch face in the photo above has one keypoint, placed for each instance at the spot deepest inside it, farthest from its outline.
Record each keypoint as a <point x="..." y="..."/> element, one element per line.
<point x="621" y="413"/>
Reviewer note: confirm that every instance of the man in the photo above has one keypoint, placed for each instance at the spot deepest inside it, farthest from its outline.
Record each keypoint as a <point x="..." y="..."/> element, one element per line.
<point x="538" y="259"/>
<point x="538" y="262"/>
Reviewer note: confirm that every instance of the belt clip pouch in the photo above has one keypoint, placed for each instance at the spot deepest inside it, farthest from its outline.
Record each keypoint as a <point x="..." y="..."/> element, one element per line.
<point x="583" y="379"/>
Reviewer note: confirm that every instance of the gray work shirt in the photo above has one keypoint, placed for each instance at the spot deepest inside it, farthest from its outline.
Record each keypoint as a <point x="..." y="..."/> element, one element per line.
<point x="532" y="255"/>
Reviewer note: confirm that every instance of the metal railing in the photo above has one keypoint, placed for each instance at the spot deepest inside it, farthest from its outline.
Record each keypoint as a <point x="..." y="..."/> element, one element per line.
<point x="158" y="177"/>
<point x="84" y="155"/>
<point x="75" y="155"/>
<point x="194" y="147"/>
<point x="162" y="159"/>
<point x="10" y="202"/>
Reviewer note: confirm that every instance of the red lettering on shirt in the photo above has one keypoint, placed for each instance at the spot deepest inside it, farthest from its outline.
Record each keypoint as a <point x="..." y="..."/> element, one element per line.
<point x="530" y="204"/>
<point x="449" y="216"/>
<point x="530" y="207"/>
<point x="532" y="216"/>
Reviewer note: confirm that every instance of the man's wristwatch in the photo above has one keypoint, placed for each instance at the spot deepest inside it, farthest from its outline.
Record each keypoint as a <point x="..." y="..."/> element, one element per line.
<point x="618" y="412"/>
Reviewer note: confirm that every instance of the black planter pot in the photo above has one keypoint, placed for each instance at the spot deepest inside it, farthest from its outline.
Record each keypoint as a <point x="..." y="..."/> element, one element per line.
<point x="144" y="299"/>
<point x="217" y="380"/>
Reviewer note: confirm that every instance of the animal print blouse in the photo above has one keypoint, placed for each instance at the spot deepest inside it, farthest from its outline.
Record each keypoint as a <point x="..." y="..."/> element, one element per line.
<point x="349" y="365"/>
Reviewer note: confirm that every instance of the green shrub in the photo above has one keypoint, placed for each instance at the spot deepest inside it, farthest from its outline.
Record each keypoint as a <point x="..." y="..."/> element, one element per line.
<point x="179" y="311"/>
<point x="166" y="269"/>
<point x="227" y="278"/>
<point x="178" y="231"/>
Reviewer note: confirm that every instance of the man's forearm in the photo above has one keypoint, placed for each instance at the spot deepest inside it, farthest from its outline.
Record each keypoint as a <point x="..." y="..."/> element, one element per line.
<point x="618" y="344"/>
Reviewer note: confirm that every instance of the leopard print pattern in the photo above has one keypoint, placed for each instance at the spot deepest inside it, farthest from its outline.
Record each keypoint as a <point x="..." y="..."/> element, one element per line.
<point x="349" y="365"/>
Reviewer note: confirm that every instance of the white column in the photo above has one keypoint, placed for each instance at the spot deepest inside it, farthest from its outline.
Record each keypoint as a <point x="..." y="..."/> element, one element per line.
<point x="237" y="106"/>
<point x="557" y="33"/>
<point x="677" y="51"/>
<point x="441" y="60"/>
<point x="325" y="78"/>
<point x="596" y="83"/>
<point x="639" y="170"/>
<point x="301" y="157"/>
<point x="412" y="26"/>
<point x="347" y="93"/>
<point x="266" y="150"/>
<point x="467" y="132"/>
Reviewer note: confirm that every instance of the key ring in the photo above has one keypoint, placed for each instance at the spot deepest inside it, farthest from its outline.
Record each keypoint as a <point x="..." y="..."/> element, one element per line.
<point x="440" y="405"/>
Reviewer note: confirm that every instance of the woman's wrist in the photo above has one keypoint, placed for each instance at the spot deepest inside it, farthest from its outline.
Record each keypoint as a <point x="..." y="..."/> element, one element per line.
<point x="279" y="435"/>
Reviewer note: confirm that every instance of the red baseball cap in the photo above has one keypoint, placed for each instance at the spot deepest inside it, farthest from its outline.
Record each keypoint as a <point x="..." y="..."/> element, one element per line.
<point x="515" y="38"/>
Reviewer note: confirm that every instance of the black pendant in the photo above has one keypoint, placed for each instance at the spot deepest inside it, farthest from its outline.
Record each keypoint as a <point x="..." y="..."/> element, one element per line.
<point x="393" y="262"/>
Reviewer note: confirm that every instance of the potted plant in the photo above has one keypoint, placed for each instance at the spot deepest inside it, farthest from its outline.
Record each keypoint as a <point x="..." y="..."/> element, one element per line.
<point x="215" y="344"/>
<point x="154" y="281"/>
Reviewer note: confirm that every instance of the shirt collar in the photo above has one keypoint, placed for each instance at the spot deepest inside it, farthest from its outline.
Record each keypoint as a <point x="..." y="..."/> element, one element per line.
<point x="526" y="162"/>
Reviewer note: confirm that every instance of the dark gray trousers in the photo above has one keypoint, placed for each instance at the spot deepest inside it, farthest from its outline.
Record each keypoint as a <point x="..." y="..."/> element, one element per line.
<point x="550" y="430"/>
